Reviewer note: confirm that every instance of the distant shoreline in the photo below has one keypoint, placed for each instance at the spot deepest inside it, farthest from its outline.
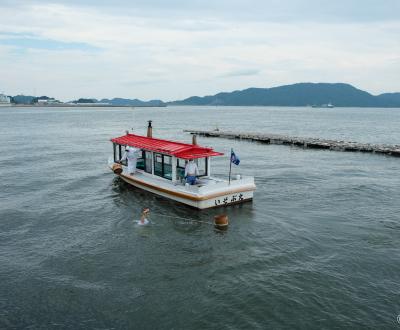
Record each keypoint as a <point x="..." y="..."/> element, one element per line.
<point x="183" y="105"/>
<point x="80" y="106"/>
<point x="316" y="95"/>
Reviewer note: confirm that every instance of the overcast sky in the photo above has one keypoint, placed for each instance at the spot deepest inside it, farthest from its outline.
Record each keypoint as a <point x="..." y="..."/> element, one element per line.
<point x="173" y="49"/>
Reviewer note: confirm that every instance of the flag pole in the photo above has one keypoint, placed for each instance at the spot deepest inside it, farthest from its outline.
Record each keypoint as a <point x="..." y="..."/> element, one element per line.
<point x="230" y="166"/>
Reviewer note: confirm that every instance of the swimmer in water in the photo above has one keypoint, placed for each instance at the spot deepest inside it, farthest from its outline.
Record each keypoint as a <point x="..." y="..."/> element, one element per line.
<point x="143" y="217"/>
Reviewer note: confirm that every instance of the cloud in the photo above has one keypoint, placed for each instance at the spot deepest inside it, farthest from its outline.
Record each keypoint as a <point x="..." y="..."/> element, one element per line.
<point x="250" y="10"/>
<point x="241" y="72"/>
<point x="23" y="41"/>
<point x="143" y="82"/>
<point x="171" y="50"/>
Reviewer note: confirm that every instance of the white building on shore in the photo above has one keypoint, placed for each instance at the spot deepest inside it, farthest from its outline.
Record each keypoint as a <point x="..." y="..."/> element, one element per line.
<point x="5" y="101"/>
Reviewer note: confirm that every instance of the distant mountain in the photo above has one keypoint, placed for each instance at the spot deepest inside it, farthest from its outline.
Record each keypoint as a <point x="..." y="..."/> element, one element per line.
<point x="301" y="94"/>
<point x="391" y="99"/>
<point x="133" y="103"/>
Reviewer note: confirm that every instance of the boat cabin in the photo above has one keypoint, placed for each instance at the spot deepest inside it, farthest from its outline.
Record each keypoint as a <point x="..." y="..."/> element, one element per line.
<point x="163" y="158"/>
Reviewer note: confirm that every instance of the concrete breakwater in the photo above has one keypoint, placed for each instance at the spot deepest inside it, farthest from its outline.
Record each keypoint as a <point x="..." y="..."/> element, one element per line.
<point x="312" y="143"/>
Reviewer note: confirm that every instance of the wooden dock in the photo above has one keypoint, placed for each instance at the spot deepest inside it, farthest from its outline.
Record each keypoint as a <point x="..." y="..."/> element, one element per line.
<point x="312" y="143"/>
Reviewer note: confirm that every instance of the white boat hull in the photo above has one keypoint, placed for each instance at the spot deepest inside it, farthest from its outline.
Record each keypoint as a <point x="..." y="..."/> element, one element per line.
<point x="201" y="196"/>
<point x="229" y="197"/>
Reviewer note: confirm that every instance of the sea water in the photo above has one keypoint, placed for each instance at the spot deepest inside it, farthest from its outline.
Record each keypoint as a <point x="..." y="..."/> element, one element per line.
<point x="317" y="248"/>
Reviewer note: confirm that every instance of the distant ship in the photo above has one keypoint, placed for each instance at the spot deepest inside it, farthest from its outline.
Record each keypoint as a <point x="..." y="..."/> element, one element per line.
<point x="327" y="105"/>
<point x="5" y="101"/>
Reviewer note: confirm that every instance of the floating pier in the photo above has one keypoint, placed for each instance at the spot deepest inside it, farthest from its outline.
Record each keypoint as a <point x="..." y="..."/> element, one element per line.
<point x="312" y="143"/>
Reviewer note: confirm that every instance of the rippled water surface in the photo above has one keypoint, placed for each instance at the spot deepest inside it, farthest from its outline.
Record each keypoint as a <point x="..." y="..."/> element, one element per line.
<point x="317" y="248"/>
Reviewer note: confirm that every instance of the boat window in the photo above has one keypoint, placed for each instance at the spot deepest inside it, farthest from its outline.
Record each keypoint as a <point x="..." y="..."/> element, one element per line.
<point x="122" y="152"/>
<point x="148" y="161"/>
<point x="158" y="164"/>
<point x="163" y="166"/>
<point x="202" y="166"/>
<point x="181" y="164"/>
<point x="180" y="169"/>
<point x="140" y="161"/>
<point x="118" y="153"/>
<point x="167" y="168"/>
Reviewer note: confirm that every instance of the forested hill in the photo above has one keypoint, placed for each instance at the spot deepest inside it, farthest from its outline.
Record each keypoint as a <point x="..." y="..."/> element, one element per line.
<point x="301" y="94"/>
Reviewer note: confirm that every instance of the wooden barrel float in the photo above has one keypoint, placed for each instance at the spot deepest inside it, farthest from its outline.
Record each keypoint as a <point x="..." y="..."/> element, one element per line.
<point x="221" y="221"/>
<point x="117" y="168"/>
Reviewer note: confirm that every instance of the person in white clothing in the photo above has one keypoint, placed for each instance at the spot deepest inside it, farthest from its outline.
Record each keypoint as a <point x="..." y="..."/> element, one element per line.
<point x="131" y="154"/>
<point x="191" y="171"/>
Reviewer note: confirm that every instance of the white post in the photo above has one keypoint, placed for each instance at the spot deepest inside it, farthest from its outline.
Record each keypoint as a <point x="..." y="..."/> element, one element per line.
<point x="152" y="163"/>
<point x="173" y="164"/>
<point x="208" y="166"/>
<point x="230" y="166"/>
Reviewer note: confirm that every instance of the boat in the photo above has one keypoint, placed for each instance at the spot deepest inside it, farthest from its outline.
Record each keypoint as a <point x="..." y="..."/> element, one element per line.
<point x="326" y="105"/>
<point x="161" y="166"/>
<point x="5" y="101"/>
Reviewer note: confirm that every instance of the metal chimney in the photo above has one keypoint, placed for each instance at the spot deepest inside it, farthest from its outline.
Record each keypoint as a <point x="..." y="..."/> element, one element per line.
<point x="149" y="129"/>
<point x="194" y="139"/>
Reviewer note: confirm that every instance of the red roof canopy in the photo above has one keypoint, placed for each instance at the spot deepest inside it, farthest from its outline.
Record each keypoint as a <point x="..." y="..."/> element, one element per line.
<point x="177" y="149"/>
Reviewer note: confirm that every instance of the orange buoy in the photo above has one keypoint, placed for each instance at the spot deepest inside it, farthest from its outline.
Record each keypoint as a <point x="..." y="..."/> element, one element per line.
<point x="117" y="168"/>
<point x="221" y="221"/>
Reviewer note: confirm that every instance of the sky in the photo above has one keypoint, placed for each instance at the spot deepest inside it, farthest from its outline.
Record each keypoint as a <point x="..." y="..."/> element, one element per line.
<point x="170" y="50"/>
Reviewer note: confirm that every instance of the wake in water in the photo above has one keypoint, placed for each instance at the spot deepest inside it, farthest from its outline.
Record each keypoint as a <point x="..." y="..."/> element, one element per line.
<point x="145" y="222"/>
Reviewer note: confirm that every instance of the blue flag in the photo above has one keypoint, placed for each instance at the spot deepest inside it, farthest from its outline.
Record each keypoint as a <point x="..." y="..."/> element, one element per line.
<point x="234" y="159"/>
